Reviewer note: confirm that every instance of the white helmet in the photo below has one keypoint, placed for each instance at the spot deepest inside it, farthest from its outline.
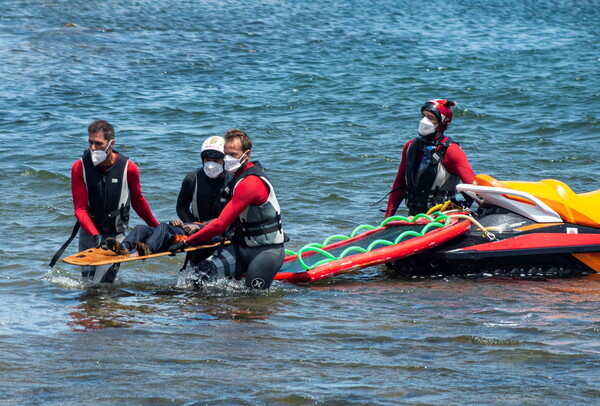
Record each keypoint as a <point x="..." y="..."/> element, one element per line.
<point x="212" y="147"/>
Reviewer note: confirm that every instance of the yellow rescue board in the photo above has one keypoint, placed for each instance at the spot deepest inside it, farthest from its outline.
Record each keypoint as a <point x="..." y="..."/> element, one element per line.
<point x="99" y="256"/>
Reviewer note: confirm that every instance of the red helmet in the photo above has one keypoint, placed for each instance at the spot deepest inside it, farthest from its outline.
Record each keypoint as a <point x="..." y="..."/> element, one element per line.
<point x="442" y="109"/>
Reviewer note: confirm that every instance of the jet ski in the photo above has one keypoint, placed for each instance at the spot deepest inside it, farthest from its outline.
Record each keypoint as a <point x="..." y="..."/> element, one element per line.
<point x="518" y="228"/>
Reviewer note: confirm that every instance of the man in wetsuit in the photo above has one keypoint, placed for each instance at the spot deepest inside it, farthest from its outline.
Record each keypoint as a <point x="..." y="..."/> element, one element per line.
<point x="432" y="164"/>
<point x="204" y="193"/>
<point x="253" y="216"/>
<point x="105" y="184"/>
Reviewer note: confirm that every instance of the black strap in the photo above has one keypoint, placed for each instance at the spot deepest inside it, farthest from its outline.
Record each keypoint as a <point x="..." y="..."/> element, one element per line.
<point x="273" y="227"/>
<point x="185" y="261"/>
<point x="253" y="224"/>
<point x="389" y="193"/>
<point x="238" y="263"/>
<point x="65" y="245"/>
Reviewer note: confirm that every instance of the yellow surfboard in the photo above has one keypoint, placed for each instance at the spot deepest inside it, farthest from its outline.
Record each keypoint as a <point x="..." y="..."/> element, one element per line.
<point x="99" y="256"/>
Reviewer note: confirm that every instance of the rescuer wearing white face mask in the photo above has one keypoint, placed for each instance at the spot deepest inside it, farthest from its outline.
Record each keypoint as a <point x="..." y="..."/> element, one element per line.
<point x="432" y="164"/>
<point x="105" y="184"/>
<point x="253" y="217"/>
<point x="205" y="191"/>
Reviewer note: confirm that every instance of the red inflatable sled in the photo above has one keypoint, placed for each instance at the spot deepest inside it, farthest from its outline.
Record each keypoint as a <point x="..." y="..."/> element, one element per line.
<point x="397" y="237"/>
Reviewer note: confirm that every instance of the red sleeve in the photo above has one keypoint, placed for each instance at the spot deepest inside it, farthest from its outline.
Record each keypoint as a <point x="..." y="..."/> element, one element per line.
<point x="138" y="201"/>
<point x="80" y="198"/>
<point x="399" y="185"/>
<point x="457" y="163"/>
<point x="250" y="191"/>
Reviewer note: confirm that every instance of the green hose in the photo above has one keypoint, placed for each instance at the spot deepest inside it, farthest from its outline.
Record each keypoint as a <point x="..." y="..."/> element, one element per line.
<point x="436" y="220"/>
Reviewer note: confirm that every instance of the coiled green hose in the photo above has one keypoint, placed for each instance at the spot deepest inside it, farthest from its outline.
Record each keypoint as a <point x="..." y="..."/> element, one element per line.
<point x="436" y="220"/>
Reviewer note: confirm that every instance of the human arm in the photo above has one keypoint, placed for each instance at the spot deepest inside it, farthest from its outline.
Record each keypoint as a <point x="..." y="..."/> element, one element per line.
<point x="398" y="188"/>
<point x="188" y="228"/>
<point x="138" y="201"/>
<point x="250" y="191"/>
<point x="456" y="162"/>
<point x="80" y="199"/>
<point x="184" y="199"/>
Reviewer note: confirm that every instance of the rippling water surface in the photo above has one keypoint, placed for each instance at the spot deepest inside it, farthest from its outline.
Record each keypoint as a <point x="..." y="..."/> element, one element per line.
<point x="329" y="91"/>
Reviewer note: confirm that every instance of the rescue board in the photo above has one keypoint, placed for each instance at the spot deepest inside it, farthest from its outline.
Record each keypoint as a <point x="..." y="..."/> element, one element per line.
<point x="100" y="256"/>
<point x="389" y="242"/>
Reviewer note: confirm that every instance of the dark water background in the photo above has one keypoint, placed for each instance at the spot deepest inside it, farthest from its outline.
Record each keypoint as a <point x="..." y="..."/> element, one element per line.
<point x="329" y="91"/>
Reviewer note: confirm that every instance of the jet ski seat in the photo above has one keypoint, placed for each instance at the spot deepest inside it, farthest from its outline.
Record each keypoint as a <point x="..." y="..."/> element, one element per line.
<point x="582" y="209"/>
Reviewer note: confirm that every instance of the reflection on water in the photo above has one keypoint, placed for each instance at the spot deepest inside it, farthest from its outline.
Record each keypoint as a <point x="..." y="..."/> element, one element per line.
<point x="119" y="306"/>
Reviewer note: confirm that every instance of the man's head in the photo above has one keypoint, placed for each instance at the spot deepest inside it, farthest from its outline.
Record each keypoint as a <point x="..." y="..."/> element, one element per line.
<point x="237" y="149"/>
<point x="439" y="113"/>
<point x="104" y="127"/>
<point x="101" y="137"/>
<point x="212" y="155"/>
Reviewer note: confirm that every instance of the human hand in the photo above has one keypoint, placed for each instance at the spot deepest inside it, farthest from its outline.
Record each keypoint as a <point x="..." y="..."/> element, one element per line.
<point x="177" y="223"/>
<point x="190" y="228"/>
<point x="99" y="241"/>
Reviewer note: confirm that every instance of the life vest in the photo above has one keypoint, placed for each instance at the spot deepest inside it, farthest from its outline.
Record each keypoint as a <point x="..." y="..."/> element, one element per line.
<point x="210" y="196"/>
<point x="109" y="200"/>
<point x="259" y="225"/>
<point x="428" y="183"/>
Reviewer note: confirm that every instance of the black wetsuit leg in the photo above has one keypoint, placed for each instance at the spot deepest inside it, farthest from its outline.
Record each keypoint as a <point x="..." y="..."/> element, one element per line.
<point x="259" y="264"/>
<point x="263" y="263"/>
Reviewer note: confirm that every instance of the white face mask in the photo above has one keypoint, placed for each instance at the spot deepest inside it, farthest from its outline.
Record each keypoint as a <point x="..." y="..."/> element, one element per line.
<point x="233" y="164"/>
<point x="212" y="169"/>
<point x="426" y="127"/>
<point x="99" y="156"/>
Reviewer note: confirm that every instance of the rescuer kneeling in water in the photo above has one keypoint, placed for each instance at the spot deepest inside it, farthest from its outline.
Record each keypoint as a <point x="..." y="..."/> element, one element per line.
<point x="432" y="164"/>
<point x="253" y="218"/>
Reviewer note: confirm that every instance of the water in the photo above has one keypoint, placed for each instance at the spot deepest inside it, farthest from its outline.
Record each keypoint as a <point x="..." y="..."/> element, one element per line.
<point x="329" y="91"/>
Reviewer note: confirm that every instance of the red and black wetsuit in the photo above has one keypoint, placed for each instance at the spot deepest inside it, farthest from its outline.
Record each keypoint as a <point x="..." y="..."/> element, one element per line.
<point x="257" y="249"/>
<point x="454" y="161"/>
<point x="81" y="202"/>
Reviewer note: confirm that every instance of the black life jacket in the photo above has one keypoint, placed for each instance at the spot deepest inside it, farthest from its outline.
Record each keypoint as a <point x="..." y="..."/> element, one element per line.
<point x="109" y="199"/>
<point x="433" y="184"/>
<point x="259" y="225"/>
<point x="210" y="195"/>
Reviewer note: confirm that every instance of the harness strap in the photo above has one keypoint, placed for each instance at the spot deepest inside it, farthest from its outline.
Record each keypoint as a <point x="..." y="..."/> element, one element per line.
<point x="253" y="224"/>
<point x="65" y="245"/>
<point x="261" y="227"/>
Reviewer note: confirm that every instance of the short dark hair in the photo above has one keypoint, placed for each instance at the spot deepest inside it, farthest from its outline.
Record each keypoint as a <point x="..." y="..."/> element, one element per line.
<point x="104" y="127"/>
<point x="242" y="136"/>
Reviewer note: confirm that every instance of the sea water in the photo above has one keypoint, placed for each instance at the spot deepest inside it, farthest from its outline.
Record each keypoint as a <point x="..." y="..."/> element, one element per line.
<point x="329" y="91"/>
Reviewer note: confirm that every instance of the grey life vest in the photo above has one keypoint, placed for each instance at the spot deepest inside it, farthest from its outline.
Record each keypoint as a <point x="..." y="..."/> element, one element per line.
<point x="259" y="225"/>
